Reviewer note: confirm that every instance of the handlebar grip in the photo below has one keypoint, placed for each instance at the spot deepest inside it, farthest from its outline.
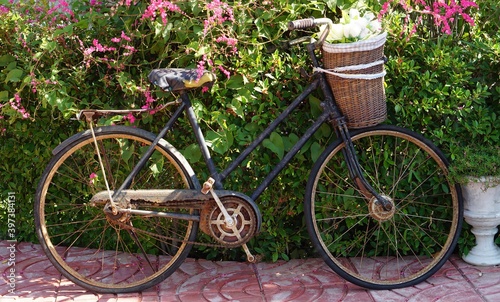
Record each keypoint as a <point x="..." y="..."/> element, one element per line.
<point x="303" y="23"/>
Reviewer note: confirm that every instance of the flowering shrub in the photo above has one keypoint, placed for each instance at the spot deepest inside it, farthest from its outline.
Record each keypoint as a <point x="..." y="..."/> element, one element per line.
<point x="58" y="59"/>
<point x="429" y="18"/>
<point x="79" y="45"/>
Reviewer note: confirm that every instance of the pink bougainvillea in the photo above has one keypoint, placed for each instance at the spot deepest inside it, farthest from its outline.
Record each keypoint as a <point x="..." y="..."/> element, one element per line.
<point x="160" y="7"/>
<point x="443" y="13"/>
<point x="218" y="14"/>
<point x="15" y="104"/>
<point x="116" y="53"/>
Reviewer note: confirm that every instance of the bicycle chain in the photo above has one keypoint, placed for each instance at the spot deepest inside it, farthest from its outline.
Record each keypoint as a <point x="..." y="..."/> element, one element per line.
<point x="125" y="226"/>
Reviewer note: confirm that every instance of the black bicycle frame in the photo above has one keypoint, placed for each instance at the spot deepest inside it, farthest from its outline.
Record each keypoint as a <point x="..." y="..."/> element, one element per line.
<point x="330" y="114"/>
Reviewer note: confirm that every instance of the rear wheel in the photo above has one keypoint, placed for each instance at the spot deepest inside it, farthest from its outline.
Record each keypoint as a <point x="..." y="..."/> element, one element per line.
<point x="363" y="242"/>
<point x="95" y="249"/>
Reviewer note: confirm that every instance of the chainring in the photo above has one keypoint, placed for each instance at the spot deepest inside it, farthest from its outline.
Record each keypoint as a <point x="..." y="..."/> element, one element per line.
<point x="212" y="221"/>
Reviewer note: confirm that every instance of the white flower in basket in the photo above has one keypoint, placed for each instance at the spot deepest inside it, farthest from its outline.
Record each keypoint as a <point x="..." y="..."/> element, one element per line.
<point x="353" y="27"/>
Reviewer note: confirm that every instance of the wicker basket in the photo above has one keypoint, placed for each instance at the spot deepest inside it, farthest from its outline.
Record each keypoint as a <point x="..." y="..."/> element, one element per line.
<point x="356" y="76"/>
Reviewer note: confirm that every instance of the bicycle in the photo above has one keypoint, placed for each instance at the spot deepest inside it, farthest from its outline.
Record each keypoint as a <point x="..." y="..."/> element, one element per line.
<point x="118" y="208"/>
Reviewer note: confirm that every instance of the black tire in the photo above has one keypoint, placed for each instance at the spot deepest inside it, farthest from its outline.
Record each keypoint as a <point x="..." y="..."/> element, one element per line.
<point x="367" y="245"/>
<point x="82" y="242"/>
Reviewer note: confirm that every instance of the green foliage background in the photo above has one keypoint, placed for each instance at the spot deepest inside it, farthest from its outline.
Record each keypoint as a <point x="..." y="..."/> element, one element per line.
<point x="445" y="86"/>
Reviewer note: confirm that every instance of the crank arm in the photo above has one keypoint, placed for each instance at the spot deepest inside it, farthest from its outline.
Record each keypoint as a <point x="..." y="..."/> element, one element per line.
<point x="208" y="187"/>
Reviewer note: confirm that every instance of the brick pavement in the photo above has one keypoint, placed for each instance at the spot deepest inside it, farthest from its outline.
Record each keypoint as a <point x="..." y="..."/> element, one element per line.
<point x="201" y="280"/>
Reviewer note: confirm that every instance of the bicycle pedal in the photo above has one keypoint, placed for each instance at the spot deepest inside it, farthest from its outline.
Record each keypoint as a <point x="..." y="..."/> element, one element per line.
<point x="250" y="258"/>
<point x="207" y="185"/>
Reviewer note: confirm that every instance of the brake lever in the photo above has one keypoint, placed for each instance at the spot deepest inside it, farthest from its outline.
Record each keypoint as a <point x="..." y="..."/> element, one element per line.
<point x="288" y="44"/>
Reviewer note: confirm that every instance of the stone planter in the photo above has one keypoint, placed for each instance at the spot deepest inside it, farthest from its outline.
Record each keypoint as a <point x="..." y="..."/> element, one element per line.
<point x="482" y="212"/>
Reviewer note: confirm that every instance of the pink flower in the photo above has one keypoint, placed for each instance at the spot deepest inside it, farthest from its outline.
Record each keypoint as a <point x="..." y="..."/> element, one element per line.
<point x="201" y="67"/>
<point x="16" y="105"/>
<point x="149" y="100"/>
<point x="385" y="9"/>
<point x="3" y="9"/>
<point x="162" y="7"/>
<point x="130" y="117"/>
<point x="125" y="37"/>
<point x="229" y="41"/>
<point x="467" y="4"/>
<point x="443" y="13"/>
<point x="97" y="45"/>
<point x="92" y="176"/>
<point x="224" y="71"/>
<point x="131" y="50"/>
<point x="221" y="12"/>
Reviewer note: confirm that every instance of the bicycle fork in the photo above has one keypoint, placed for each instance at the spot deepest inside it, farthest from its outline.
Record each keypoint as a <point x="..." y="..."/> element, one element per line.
<point x="355" y="171"/>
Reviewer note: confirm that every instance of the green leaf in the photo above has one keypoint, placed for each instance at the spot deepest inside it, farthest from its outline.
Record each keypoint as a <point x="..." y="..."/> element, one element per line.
<point x="4" y="96"/>
<point x="14" y="75"/>
<point x="315" y="105"/>
<point x="275" y="256"/>
<point x="66" y="30"/>
<point x="6" y="59"/>
<point x="235" y="82"/>
<point x="217" y="142"/>
<point x="275" y="144"/>
<point x="316" y="151"/>
<point x="127" y="152"/>
<point x="332" y="4"/>
<point x="48" y="45"/>
<point x="290" y="141"/>
<point x="192" y="153"/>
<point x="236" y="108"/>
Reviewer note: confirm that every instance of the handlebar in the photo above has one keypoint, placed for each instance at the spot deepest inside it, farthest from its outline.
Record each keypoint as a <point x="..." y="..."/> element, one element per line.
<point x="312" y="22"/>
<point x="299" y="24"/>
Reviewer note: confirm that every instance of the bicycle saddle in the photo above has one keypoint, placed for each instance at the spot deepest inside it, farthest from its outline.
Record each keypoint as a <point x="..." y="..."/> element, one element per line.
<point x="178" y="79"/>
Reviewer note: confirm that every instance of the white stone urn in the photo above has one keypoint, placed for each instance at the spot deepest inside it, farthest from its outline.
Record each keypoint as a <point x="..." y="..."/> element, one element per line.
<point x="482" y="212"/>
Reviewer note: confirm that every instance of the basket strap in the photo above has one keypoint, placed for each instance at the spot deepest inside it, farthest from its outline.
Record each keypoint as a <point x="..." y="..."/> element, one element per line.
<point x="352" y="76"/>
<point x="358" y="67"/>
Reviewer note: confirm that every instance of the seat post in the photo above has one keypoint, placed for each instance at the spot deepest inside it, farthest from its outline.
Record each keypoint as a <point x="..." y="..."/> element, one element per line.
<point x="200" y="138"/>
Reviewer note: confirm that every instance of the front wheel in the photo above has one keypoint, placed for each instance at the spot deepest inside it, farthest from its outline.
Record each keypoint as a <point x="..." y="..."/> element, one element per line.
<point x="98" y="250"/>
<point x="361" y="241"/>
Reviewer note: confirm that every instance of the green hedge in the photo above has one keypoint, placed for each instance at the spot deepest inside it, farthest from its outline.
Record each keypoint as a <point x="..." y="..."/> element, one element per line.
<point x="54" y="63"/>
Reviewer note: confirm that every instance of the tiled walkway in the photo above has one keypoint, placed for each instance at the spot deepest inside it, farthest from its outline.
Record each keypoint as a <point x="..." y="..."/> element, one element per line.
<point x="200" y="280"/>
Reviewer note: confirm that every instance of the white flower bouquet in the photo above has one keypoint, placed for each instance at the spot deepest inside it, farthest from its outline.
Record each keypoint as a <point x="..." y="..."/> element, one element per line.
<point x="353" y="27"/>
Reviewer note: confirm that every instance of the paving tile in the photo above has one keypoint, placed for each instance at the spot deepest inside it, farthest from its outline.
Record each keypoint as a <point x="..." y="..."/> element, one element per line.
<point x="305" y="280"/>
<point x="447" y="284"/>
<point x="485" y="279"/>
<point x="204" y="280"/>
<point x="35" y="277"/>
<point x="107" y="298"/>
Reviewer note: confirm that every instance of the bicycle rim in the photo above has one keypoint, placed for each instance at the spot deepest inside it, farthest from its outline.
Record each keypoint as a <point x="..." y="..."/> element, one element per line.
<point x="362" y="242"/>
<point x="87" y="246"/>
